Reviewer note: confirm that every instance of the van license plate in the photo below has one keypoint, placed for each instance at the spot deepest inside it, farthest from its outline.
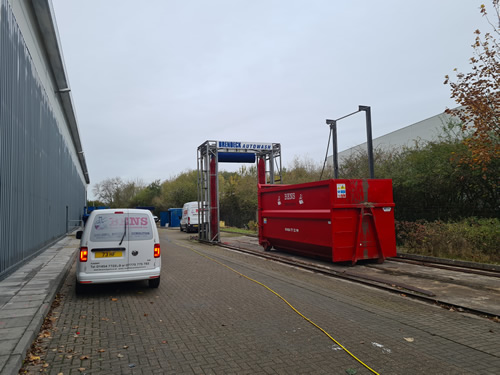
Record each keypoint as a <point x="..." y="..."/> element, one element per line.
<point x="108" y="254"/>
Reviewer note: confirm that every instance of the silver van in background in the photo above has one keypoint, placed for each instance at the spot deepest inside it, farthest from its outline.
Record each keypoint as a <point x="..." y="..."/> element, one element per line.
<point x="119" y="245"/>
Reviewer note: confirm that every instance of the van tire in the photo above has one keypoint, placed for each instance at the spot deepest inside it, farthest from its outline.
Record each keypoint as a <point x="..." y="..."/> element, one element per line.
<point x="154" y="283"/>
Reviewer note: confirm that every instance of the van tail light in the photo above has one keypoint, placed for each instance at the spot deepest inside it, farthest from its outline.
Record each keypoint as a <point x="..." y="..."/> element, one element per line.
<point x="157" y="250"/>
<point x="189" y="220"/>
<point x="84" y="254"/>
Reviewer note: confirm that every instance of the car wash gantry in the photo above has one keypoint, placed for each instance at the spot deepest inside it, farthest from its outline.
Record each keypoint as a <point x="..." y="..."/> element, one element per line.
<point x="210" y="154"/>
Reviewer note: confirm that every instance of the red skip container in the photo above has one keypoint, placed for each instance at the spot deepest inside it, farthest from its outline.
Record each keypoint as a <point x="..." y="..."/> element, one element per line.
<point x="338" y="220"/>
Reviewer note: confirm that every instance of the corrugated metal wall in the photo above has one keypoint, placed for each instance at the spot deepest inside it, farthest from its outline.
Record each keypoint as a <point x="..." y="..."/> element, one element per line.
<point x="41" y="190"/>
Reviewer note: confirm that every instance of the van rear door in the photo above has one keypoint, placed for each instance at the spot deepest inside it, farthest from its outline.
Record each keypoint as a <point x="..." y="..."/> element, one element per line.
<point x="108" y="243"/>
<point x="141" y="241"/>
<point x="193" y="214"/>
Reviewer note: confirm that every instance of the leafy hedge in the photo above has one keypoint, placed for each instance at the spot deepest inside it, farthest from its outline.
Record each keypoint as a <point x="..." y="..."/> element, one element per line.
<point x="472" y="239"/>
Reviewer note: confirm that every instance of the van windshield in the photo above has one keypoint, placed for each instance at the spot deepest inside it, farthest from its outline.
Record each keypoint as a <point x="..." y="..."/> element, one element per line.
<point x="111" y="227"/>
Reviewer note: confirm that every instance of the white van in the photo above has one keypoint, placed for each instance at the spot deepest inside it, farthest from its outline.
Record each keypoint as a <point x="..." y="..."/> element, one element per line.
<point x="119" y="245"/>
<point x="189" y="220"/>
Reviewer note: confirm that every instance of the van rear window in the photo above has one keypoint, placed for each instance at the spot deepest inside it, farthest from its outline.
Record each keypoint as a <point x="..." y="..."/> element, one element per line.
<point x="139" y="227"/>
<point x="111" y="227"/>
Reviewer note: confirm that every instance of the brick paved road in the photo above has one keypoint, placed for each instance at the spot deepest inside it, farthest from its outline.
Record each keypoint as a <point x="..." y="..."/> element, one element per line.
<point x="206" y="319"/>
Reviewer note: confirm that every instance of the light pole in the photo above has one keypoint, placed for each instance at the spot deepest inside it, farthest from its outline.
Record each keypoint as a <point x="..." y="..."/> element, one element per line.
<point x="369" y="140"/>
<point x="333" y="130"/>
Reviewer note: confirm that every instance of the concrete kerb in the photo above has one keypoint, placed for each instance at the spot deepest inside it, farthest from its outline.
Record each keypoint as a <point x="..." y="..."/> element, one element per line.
<point x="16" y="357"/>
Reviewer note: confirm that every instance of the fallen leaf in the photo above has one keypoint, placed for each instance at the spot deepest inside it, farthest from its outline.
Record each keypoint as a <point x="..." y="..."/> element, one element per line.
<point x="34" y="357"/>
<point x="119" y="355"/>
<point x="409" y="339"/>
<point x="84" y="357"/>
<point x="164" y="342"/>
<point x="146" y="314"/>
<point x="101" y="350"/>
<point x="45" y="365"/>
<point x="81" y="369"/>
<point x="44" y="334"/>
<point x="114" y="299"/>
<point x="69" y="356"/>
<point x="351" y="371"/>
<point x="125" y="346"/>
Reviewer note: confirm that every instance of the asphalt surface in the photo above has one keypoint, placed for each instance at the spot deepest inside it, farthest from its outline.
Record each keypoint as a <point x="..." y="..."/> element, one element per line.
<point x="207" y="318"/>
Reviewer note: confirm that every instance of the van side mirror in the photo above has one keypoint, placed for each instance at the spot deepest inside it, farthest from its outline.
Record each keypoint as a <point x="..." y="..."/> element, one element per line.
<point x="79" y="234"/>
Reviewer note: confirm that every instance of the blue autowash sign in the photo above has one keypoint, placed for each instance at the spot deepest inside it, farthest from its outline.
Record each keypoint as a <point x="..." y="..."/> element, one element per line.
<point x="245" y="145"/>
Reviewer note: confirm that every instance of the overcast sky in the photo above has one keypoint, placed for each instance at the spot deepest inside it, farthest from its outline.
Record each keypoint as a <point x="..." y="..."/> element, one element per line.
<point x="152" y="80"/>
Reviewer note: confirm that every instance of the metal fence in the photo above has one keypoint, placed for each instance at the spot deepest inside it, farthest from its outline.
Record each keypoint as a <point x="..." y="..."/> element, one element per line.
<point x="42" y="193"/>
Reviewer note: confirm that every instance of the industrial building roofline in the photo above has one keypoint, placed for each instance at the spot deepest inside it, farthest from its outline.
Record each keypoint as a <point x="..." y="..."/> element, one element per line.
<point x="47" y="22"/>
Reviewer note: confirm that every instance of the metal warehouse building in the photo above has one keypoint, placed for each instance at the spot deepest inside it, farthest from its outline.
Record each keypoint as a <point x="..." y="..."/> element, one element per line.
<point x="423" y="131"/>
<point x="43" y="174"/>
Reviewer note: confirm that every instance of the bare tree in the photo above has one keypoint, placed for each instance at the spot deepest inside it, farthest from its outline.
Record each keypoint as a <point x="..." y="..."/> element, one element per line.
<point x="106" y="190"/>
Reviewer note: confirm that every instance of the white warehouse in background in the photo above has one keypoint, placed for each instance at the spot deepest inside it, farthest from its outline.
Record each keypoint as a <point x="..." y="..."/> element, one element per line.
<point x="422" y="131"/>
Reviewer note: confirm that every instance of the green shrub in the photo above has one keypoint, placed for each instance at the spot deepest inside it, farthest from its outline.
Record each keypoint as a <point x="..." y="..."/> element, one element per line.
<point x="471" y="239"/>
<point x="253" y="226"/>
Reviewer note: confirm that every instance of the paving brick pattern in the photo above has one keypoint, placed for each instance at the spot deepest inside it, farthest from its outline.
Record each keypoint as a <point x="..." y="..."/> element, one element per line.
<point x="206" y="319"/>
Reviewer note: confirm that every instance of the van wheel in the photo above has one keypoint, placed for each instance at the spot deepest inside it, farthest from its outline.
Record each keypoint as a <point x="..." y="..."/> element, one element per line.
<point x="154" y="283"/>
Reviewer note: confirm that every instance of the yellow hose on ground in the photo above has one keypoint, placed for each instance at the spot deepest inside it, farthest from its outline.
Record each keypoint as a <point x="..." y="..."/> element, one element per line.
<point x="284" y="300"/>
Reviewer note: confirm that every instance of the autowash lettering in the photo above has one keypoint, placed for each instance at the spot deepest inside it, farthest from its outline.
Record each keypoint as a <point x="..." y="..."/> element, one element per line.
<point x="245" y="145"/>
